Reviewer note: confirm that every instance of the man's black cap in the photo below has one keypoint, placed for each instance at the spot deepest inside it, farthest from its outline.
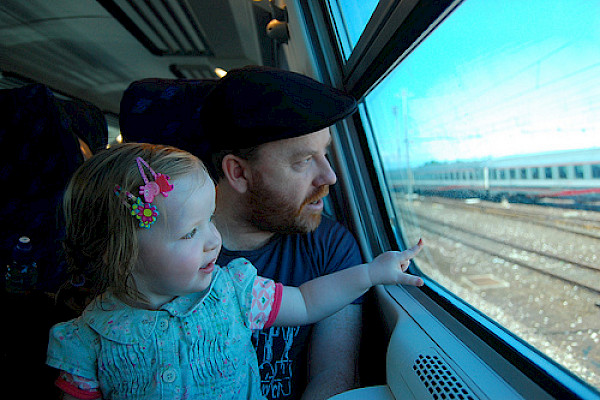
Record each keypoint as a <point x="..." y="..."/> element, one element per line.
<point x="254" y="105"/>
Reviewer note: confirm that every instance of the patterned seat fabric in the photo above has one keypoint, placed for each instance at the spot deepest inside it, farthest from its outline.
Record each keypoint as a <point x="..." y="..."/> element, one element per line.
<point x="39" y="151"/>
<point x="165" y="111"/>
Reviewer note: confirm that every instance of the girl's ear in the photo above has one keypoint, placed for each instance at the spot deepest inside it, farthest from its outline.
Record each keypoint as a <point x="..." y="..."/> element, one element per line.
<point x="237" y="172"/>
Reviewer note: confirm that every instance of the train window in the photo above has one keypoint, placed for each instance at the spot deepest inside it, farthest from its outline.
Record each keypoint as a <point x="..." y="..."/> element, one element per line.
<point x="578" y="171"/>
<point x="511" y="83"/>
<point x="523" y="173"/>
<point x="350" y="18"/>
<point x="562" y="172"/>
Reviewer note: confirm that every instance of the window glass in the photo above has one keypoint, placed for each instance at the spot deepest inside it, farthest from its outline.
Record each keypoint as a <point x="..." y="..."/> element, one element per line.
<point x="562" y="172"/>
<point x="523" y="173"/>
<point x="350" y="18"/>
<point x="507" y="86"/>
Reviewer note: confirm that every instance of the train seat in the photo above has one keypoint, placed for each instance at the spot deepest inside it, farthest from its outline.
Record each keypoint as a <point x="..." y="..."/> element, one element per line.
<point x="87" y="122"/>
<point x="39" y="152"/>
<point x="157" y="111"/>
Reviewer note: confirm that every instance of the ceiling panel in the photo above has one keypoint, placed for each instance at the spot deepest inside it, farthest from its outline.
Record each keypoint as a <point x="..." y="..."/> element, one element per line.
<point x="80" y="48"/>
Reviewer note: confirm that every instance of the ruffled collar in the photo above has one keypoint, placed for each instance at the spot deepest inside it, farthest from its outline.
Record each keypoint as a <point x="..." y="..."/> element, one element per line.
<point x="117" y="321"/>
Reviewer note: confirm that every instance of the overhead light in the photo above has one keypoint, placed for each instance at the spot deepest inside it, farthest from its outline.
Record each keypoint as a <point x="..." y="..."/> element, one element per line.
<point x="278" y="30"/>
<point x="220" y="72"/>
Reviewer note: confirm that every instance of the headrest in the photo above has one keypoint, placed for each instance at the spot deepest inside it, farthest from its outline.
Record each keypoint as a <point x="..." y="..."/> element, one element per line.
<point x="86" y="121"/>
<point x="165" y="111"/>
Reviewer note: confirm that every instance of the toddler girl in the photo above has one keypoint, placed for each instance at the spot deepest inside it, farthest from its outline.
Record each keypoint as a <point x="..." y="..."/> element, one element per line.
<point x="170" y="324"/>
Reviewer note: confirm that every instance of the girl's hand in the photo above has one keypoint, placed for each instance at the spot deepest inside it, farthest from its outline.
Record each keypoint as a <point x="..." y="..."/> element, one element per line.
<point x="388" y="268"/>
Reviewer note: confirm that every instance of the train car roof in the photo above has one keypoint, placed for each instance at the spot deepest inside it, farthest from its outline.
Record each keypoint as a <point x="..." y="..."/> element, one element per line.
<point x="565" y="157"/>
<point x="92" y="50"/>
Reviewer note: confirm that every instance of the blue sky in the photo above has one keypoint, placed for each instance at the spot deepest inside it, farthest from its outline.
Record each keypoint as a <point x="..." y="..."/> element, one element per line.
<point x="497" y="78"/>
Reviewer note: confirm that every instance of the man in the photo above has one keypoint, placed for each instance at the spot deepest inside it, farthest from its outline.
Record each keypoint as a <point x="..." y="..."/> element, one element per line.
<point x="269" y="141"/>
<point x="263" y="134"/>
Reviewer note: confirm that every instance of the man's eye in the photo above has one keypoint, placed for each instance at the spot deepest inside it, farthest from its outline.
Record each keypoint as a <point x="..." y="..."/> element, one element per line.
<point x="191" y="234"/>
<point x="305" y="161"/>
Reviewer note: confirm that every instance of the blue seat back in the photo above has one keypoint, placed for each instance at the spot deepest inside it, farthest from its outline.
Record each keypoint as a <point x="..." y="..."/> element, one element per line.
<point x="165" y="111"/>
<point x="39" y="151"/>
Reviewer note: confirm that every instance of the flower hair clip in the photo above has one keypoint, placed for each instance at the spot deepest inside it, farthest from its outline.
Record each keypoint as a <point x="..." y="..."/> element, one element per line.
<point x="144" y="211"/>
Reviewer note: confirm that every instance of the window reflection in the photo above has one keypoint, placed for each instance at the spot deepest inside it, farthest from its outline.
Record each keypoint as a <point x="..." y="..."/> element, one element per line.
<point x="350" y="17"/>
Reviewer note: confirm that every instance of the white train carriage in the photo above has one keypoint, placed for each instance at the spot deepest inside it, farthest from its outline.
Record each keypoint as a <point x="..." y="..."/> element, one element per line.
<point x="566" y="174"/>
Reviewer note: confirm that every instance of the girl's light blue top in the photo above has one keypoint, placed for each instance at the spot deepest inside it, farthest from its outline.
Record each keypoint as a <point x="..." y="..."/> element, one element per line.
<point x="195" y="347"/>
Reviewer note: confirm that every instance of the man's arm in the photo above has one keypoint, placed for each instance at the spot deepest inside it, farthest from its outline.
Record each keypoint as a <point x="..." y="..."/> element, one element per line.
<point x="333" y="357"/>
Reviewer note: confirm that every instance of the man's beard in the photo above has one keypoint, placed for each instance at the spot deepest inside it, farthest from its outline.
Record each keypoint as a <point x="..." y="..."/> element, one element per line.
<point x="274" y="212"/>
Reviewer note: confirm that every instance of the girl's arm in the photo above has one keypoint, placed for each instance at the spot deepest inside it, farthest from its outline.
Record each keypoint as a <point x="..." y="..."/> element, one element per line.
<point x="323" y="296"/>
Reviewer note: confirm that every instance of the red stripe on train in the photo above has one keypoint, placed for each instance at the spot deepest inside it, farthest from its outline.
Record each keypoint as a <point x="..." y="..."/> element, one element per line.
<point x="574" y="192"/>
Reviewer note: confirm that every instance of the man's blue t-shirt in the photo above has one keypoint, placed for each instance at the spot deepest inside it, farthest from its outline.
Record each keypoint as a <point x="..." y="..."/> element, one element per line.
<point x="292" y="260"/>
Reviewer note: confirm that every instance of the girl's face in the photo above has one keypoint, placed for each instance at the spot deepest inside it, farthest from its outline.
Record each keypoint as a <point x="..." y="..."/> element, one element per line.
<point x="178" y="253"/>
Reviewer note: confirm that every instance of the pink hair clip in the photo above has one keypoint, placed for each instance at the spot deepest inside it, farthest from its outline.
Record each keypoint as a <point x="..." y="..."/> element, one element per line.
<point x="152" y="188"/>
<point x="144" y="211"/>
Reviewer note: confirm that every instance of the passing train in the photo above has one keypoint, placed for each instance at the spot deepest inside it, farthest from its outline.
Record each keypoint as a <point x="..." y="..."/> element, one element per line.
<point x="537" y="178"/>
<point x="508" y="311"/>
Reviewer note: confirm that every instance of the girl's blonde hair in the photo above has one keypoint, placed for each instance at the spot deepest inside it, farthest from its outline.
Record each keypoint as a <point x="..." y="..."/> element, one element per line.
<point x="101" y="240"/>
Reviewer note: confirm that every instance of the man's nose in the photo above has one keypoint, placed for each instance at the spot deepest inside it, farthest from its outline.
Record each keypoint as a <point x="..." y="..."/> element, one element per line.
<point x="326" y="175"/>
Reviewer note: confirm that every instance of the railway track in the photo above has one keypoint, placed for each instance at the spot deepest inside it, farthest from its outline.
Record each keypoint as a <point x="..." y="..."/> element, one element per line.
<point x="587" y="277"/>
<point x="585" y="227"/>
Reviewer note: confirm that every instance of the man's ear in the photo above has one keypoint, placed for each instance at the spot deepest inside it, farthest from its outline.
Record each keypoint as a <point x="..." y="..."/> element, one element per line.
<point x="237" y="172"/>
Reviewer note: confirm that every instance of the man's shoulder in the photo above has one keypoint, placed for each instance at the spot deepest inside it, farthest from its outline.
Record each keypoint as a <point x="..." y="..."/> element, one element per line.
<point x="335" y="243"/>
<point x="333" y="236"/>
<point x="330" y="226"/>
